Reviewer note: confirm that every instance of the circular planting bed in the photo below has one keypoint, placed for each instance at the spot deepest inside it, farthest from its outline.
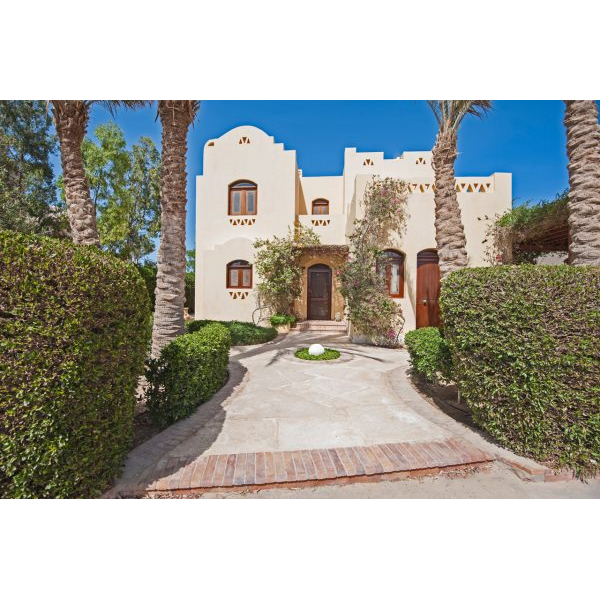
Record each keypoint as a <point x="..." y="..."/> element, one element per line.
<point x="329" y="354"/>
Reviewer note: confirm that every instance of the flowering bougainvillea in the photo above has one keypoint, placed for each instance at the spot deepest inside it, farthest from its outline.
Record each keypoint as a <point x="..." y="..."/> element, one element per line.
<point x="371" y="310"/>
<point x="277" y="264"/>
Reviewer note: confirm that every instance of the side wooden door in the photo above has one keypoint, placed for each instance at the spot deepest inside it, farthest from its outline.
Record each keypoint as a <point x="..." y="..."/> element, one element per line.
<point x="428" y="289"/>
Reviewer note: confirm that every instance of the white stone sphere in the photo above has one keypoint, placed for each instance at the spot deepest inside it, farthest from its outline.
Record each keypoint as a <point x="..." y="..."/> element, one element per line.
<point x="316" y="350"/>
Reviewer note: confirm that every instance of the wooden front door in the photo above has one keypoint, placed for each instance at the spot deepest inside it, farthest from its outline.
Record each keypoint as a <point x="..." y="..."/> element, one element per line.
<point x="428" y="289"/>
<point x="319" y="293"/>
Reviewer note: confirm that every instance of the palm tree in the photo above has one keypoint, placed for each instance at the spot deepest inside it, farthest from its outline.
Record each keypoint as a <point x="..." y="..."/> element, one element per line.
<point x="449" y="231"/>
<point x="71" y="120"/>
<point x="583" y="149"/>
<point x="176" y="116"/>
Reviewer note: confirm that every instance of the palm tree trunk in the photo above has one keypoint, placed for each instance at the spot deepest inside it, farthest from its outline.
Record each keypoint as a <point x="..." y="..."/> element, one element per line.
<point x="449" y="231"/>
<point x="71" y="119"/>
<point x="583" y="149"/>
<point x="175" y="117"/>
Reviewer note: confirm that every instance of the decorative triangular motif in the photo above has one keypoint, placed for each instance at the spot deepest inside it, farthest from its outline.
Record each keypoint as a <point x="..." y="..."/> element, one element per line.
<point x="368" y="161"/>
<point x="244" y="140"/>
<point x="238" y="295"/>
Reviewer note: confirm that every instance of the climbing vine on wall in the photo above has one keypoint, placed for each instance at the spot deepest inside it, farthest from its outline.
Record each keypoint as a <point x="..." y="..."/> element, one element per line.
<point x="371" y="310"/>
<point x="277" y="264"/>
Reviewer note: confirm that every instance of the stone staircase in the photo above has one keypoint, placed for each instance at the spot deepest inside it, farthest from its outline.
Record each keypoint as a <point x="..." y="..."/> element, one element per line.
<point x="339" y="327"/>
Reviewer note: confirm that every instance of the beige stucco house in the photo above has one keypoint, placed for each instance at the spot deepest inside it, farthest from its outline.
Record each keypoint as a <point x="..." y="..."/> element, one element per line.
<point x="251" y="188"/>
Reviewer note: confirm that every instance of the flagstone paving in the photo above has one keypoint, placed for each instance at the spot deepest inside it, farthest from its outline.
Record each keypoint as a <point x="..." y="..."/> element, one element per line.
<point x="280" y="419"/>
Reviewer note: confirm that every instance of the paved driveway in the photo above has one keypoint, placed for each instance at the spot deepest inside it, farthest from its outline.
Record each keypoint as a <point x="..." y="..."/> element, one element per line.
<point x="284" y="403"/>
<point x="280" y="419"/>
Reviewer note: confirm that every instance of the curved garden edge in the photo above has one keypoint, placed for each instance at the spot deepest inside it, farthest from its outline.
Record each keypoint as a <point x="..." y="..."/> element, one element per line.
<point x="142" y="415"/>
<point x="191" y="437"/>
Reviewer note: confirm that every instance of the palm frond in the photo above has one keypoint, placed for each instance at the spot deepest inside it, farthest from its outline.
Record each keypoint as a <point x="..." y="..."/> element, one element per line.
<point x="450" y="113"/>
<point x="190" y="106"/>
<point x="112" y="105"/>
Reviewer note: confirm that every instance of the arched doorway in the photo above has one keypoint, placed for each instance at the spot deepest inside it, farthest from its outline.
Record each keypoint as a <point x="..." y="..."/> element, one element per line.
<point x="319" y="293"/>
<point x="428" y="289"/>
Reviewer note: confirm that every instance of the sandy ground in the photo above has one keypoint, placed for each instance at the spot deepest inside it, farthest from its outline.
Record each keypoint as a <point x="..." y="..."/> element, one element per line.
<point x="497" y="482"/>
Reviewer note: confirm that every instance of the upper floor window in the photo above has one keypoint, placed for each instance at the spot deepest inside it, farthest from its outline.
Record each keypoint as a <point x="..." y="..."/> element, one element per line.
<point x="394" y="273"/>
<point x="320" y="207"/>
<point x="239" y="274"/>
<point x="242" y="198"/>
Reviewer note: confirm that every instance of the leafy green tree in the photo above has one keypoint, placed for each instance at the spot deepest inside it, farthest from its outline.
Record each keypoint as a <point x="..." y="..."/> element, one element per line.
<point x="125" y="191"/>
<point x="190" y="261"/>
<point x="277" y="265"/>
<point x="71" y="118"/>
<point x="27" y="194"/>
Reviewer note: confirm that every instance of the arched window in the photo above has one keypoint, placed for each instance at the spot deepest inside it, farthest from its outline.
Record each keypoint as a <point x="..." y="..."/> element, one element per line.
<point x="320" y="207"/>
<point x="239" y="274"/>
<point x="394" y="273"/>
<point x="242" y="198"/>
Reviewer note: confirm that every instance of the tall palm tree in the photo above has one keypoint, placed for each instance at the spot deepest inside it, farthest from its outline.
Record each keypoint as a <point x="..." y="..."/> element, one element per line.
<point x="71" y="119"/>
<point x="176" y="116"/>
<point x="583" y="149"/>
<point x="449" y="230"/>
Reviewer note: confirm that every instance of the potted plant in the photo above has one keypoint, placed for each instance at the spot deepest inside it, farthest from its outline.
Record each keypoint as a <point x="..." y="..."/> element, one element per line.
<point x="283" y="322"/>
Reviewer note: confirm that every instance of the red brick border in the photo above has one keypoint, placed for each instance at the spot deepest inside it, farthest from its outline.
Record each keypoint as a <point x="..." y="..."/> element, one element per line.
<point x="270" y="468"/>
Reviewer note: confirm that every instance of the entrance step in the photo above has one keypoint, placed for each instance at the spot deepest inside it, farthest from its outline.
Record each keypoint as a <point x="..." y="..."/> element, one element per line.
<point x="333" y="465"/>
<point x="328" y="326"/>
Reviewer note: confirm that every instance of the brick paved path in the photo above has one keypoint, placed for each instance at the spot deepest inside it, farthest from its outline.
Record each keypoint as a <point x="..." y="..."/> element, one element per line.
<point x="281" y="420"/>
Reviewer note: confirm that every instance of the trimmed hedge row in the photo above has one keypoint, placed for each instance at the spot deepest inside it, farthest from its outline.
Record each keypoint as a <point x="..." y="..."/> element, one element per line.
<point x="74" y="331"/>
<point x="189" y="371"/>
<point x="242" y="333"/>
<point x="429" y="353"/>
<point x="525" y="344"/>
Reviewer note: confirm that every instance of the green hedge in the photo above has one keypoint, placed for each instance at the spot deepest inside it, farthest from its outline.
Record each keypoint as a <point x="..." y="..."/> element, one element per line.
<point x="148" y="274"/>
<point x="189" y="371"/>
<point x="74" y="330"/>
<point x="429" y="353"/>
<point x="190" y="292"/>
<point x="525" y="344"/>
<point x="242" y="333"/>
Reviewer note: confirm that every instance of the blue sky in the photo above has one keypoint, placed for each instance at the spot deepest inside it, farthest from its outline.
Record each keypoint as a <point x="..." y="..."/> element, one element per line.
<point x="525" y="138"/>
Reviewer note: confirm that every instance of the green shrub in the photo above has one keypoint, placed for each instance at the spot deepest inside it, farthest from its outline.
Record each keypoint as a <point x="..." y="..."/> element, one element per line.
<point x="190" y="292"/>
<point x="525" y="344"/>
<point x="242" y="333"/>
<point x="189" y="371"/>
<point x="148" y="273"/>
<point x="74" y="330"/>
<point x="429" y="353"/>
<point x="277" y="320"/>
<point x="329" y="354"/>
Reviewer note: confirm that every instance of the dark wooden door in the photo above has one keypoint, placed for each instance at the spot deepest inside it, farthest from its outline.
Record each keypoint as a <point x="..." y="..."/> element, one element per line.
<point x="428" y="289"/>
<point x="319" y="293"/>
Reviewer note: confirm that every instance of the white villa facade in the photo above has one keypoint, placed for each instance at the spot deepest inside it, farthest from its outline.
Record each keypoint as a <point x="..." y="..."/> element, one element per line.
<point x="251" y="188"/>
